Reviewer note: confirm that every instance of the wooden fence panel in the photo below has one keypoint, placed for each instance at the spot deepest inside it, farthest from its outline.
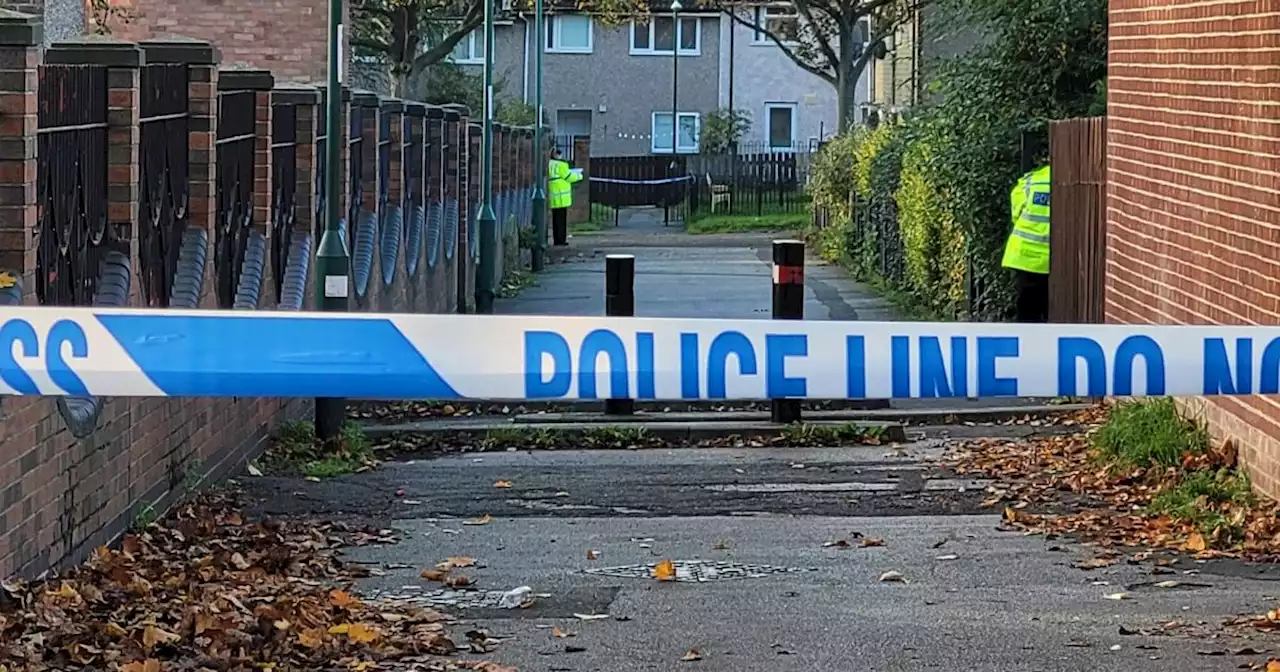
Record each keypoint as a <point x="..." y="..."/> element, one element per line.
<point x="1078" y="217"/>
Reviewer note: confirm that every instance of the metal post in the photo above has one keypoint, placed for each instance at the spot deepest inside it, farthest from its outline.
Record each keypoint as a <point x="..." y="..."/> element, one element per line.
<point x="619" y="301"/>
<point x="332" y="261"/>
<point x="675" y="101"/>
<point x="487" y="221"/>
<point x="539" y="153"/>
<point x="675" y="81"/>
<point x="788" y="304"/>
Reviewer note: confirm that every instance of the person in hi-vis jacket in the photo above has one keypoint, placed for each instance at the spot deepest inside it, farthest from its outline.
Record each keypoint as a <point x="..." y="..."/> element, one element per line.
<point x="560" y="181"/>
<point x="1027" y="250"/>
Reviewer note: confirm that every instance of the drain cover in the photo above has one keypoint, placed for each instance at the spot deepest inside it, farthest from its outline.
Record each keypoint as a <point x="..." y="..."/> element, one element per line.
<point x="458" y="599"/>
<point x="699" y="571"/>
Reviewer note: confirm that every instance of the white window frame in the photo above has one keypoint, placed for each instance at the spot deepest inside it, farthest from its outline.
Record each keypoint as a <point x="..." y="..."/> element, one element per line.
<point x="472" y="40"/>
<point x="697" y="132"/>
<point x="761" y="19"/>
<point x="551" y="41"/>
<point x="651" y="51"/>
<point x="768" y="125"/>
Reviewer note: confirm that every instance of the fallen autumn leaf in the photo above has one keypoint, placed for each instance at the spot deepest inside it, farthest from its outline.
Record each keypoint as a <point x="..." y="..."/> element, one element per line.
<point x="691" y="655"/>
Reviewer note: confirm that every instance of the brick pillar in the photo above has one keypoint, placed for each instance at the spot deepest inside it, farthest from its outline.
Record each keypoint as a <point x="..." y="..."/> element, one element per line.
<point x="474" y="135"/>
<point x="122" y="60"/>
<point x="20" y="37"/>
<point x="580" y="211"/>
<point x="259" y="82"/>
<point x="449" y="241"/>
<point x="462" y="259"/>
<point x="201" y="59"/>
<point x="305" y="101"/>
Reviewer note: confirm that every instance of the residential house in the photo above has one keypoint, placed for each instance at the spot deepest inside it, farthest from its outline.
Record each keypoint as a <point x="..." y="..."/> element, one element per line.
<point x="614" y="83"/>
<point x="789" y="107"/>
<point x="912" y="54"/>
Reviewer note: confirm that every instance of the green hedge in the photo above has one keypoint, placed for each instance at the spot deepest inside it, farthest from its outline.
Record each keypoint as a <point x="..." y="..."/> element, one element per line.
<point x="921" y="205"/>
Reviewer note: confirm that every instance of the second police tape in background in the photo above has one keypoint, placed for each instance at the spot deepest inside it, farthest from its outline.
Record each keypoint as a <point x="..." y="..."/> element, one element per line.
<point x="54" y="351"/>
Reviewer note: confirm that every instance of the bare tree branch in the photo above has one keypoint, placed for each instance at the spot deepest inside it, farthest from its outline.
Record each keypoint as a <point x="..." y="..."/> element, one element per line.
<point x="815" y="70"/>
<point x="824" y="45"/>
<point x="438" y="52"/>
<point x="371" y="44"/>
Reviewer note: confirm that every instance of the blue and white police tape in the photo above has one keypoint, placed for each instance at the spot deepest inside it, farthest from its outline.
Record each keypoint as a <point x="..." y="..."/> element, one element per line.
<point x="665" y="180"/>
<point x="55" y="351"/>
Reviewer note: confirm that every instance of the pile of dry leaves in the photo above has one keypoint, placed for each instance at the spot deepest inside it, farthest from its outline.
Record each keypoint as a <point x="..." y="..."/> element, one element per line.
<point x="1056" y="484"/>
<point x="207" y="590"/>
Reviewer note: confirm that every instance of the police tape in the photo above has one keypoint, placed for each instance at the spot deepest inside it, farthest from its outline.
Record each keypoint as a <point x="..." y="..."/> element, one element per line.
<point x="668" y="180"/>
<point x="143" y="353"/>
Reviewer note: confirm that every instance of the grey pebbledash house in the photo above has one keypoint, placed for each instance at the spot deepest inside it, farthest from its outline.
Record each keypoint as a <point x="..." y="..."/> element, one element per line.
<point x="615" y="83"/>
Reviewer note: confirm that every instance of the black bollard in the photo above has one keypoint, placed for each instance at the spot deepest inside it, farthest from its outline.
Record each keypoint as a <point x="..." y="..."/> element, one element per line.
<point x="788" y="304"/>
<point x="619" y="301"/>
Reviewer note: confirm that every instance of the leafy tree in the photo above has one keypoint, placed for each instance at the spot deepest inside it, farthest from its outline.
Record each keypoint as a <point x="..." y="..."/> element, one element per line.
<point x="722" y="128"/>
<point x="445" y="82"/>
<point x="829" y="39"/>
<point x="412" y="35"/>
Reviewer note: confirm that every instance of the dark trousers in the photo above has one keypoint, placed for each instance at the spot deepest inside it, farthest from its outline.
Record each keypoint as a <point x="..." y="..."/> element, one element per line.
<point x="560" y="226"/>
<point x="1033" y="296"/>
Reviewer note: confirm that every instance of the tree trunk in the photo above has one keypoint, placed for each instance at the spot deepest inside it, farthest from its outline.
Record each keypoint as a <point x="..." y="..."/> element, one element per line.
<point x="847" y="79"/>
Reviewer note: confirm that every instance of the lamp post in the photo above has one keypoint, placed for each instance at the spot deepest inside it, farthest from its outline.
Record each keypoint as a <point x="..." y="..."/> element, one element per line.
<point x="487" y="221"/>
<point x="332" y="261"/>
<point x="675" y="80"/>
<point x="539" y="160"/>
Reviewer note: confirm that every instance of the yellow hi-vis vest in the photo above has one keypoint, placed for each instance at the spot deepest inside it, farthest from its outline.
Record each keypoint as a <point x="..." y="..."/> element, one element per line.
<point x="559" y="184"/>
<point x="1028" y="246"/>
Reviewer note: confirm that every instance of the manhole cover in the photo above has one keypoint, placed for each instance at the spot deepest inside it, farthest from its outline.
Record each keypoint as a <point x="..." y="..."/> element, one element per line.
<point x="699" y="571"/>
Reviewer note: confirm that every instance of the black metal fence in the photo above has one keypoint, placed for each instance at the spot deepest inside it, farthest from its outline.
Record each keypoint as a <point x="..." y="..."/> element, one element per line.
<point x="284" y="200"/>
<point x="746" y="185"/>
<point x="163" y="210"/>
<point x="623" y="181"/>
<point x="235" y="146"/>
<point x="757" y="184"/>
<point x="74" y="241"/>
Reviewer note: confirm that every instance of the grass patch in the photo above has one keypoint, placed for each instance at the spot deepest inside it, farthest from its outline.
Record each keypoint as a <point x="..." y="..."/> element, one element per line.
<point x="747" y="223"/>
<point x="515" y="280"/>
<point x="1199" y="498"/>
<point x="585" y="228"/>
<point x="801" y="434"/>
<point x="1195" y="484"/>
<point x="1149" y="433"/>
<point x="295" y="449"/>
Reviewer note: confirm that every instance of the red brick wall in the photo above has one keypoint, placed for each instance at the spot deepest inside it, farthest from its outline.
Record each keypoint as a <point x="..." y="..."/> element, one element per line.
<point x="287" y="37"/>
<point x="1193" y="166"/>
<point x="63" y="495"/>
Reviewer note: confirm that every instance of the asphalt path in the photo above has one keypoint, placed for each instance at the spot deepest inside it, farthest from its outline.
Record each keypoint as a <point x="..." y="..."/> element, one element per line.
<point x="761" y="528"/>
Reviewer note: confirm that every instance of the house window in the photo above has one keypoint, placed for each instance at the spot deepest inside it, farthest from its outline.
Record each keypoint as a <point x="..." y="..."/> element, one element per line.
<point x="780" y="126"/>
<point x="470" y="50"/>
<point x="569" y="34"/>
<point x="655" y="36"/>
<point x="780" y="20"/>
<point x="690" y="125"/>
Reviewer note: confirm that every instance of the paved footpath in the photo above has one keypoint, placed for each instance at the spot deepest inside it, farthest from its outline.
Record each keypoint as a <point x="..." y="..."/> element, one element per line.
<point x="762" y="584"/>
<point x="677" y="275"/>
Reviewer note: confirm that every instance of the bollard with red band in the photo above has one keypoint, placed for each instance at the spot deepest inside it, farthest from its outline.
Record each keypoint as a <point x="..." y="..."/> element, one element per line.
<point x="619" y="301"/>
<point x="788" y="304"/>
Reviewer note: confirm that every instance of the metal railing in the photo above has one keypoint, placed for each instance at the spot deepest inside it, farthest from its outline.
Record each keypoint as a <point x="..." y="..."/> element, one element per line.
<point x="164" y="198"/>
